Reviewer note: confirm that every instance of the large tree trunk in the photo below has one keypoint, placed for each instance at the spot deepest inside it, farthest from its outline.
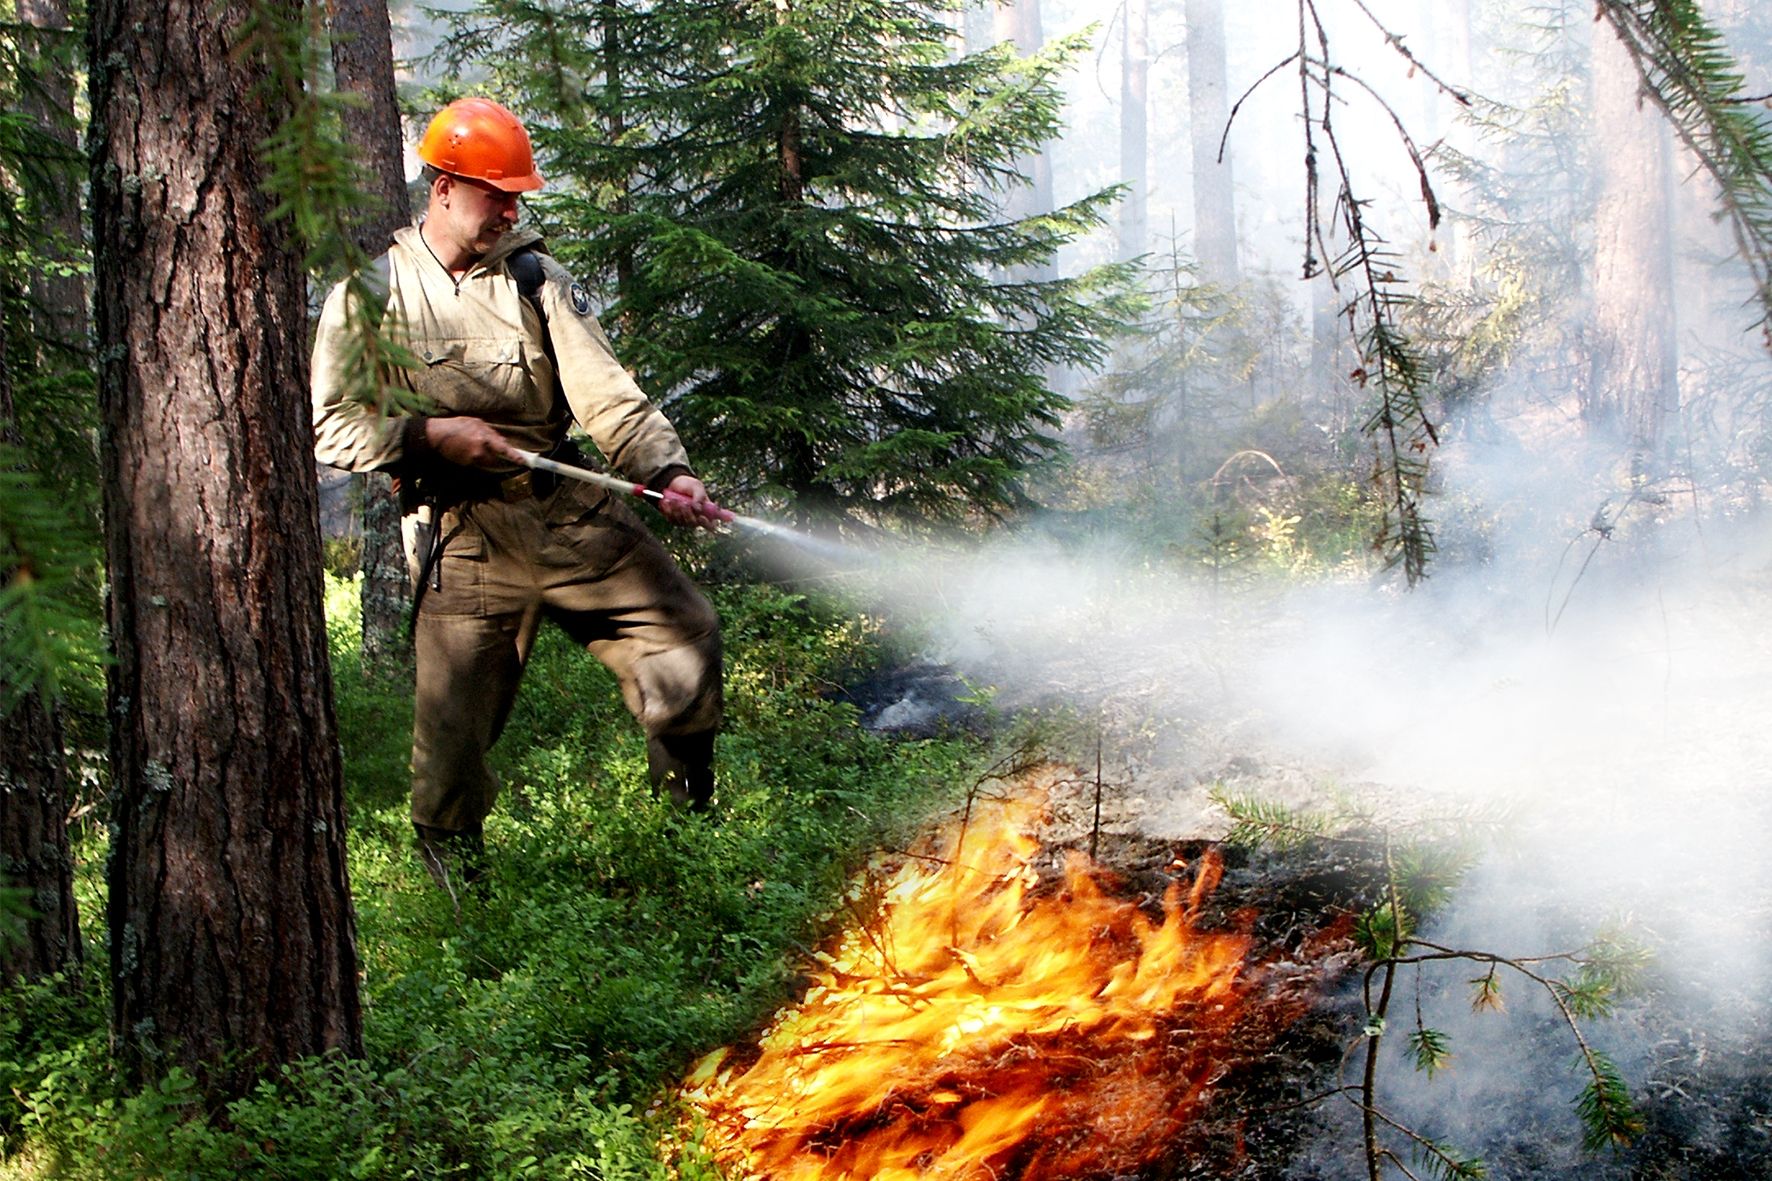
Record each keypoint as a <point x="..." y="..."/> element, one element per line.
<point x="1215" y="208"/>
<point x="232" y="943"/>
<point x="1135" y="68"/>
<point x="1631" y="391"/>
<point x="61" y="298"/>
<point x="363" y="65"/>
<point x="977" y="26"/>
<point x="33" y="806"/>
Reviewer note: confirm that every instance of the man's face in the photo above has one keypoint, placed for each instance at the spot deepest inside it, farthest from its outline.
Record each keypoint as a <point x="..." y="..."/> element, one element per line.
<point x="475" y="213"/>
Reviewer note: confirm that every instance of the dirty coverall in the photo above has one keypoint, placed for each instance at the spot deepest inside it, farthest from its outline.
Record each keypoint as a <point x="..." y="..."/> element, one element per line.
<point x="518" y="547"/>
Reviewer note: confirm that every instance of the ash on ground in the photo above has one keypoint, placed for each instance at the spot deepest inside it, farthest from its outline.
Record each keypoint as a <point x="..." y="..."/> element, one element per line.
<point x="920" y="700"/>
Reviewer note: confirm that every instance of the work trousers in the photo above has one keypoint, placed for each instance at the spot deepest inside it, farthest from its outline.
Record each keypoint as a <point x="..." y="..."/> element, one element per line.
<point x="585" y="561"/>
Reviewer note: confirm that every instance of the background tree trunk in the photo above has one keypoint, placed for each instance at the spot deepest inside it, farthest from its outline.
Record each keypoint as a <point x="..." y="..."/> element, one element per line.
<point x="1449" y="29"/>
<point x="1135" y="71"/>
<point x="977" y="26"/>
<point x="1215" y="208"/>
<point x="61" y="298"/>
<point x="615" y="116"/>
<point x="1019" y="21"/>
<point x="33" y="805"/>
<point x="34" y="841"/>
<point x="1631" y="384"/>
<point x="363" y="65"/>
<point x="232" y="944"/>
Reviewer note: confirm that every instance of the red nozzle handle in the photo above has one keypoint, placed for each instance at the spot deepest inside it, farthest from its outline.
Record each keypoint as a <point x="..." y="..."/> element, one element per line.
<point x="707" y="508"/>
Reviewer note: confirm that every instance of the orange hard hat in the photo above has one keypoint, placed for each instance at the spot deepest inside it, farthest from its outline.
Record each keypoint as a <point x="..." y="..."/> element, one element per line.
<point x="477" y="138"/>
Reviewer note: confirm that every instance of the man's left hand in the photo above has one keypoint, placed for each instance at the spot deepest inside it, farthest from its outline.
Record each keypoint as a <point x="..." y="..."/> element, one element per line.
<point x="684" y="503"/>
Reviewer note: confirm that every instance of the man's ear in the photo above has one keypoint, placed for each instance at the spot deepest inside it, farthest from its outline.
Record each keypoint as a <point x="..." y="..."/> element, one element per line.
<point x="441" y="187"/>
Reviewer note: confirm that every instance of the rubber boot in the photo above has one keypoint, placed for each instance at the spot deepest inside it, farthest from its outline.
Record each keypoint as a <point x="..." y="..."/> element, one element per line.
<point x="683" y="765"/>
<point x="455" y="860"/>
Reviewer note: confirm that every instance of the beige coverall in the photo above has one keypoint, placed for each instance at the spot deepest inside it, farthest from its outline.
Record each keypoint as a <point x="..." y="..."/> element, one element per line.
<point x="511" y="556"/>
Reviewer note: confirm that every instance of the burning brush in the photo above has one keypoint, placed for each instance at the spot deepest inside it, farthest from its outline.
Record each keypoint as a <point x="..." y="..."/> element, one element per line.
<point x="980" y="1026"/>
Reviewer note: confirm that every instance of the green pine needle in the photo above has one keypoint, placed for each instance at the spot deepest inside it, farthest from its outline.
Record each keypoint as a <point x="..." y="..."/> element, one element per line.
<point x="1608" y="1117"/>
<point x="1432" y="1050"/>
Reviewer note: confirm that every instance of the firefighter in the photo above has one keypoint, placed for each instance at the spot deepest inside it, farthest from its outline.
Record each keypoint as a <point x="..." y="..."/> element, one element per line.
<point x="509" y="356"/>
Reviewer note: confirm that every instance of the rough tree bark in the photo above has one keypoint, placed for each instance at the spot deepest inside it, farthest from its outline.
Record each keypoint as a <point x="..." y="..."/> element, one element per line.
<point x="33" y="806"/>
<point x="363" y="65"/>
<point x="61" y="298"/>
<point x="232" y="943"/>
<point x="1135" y="71"/>
<point x="1631" y="389"/>
<point x="1215" y="208"/>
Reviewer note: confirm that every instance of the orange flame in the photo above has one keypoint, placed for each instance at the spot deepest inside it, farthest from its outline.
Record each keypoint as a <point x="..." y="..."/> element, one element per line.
<point x="981" y="1028"/>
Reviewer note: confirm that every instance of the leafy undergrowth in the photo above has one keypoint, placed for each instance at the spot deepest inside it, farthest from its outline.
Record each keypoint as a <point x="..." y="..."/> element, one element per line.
<point x="540" y="1035"/>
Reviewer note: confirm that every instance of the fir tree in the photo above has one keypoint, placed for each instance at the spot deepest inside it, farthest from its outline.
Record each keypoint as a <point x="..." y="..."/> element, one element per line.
<point x="794" y="207"/>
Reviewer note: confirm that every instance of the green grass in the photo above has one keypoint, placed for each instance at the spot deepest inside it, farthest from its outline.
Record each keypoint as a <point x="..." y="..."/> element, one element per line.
<point x="541" y="1035"/>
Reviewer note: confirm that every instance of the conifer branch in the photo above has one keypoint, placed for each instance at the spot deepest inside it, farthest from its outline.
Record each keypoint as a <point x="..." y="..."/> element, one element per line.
<point x="1686" y="70"/>
<point x="317" y="183"/>
<point x="1395" y="41"/>
<point x="1416" y="878"/>
<point x="1389" y="364"/>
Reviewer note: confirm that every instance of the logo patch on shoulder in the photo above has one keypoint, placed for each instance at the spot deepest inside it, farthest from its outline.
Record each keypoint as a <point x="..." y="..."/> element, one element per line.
<point x="581" y="299"/>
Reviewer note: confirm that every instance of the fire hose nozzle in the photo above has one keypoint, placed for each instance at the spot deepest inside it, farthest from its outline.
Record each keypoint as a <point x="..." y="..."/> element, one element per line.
<point x="706" y="508"/>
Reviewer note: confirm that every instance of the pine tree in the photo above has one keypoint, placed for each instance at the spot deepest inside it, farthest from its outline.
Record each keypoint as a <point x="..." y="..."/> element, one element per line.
<point x="232" y="937"/>
<point x="49" y="552"/>
<point x="793" y="206"/>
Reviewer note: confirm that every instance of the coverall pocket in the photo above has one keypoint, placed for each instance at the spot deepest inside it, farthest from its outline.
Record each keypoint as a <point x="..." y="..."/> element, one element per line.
<point x="486" y="378"/>
<point x="456" y="585"/>
<point x="597" y="541"/>
<point x="574" y="501"/>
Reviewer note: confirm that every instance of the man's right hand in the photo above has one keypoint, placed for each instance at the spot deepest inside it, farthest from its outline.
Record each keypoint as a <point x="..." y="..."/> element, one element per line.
<point x="470" y="442"/>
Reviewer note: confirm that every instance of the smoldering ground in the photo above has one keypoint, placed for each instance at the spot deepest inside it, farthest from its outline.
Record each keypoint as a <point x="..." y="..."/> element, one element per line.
<point x="1599" y="701"/>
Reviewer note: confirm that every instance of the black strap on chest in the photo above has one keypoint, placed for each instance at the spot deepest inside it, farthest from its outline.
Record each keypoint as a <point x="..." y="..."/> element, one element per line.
<point x="525" y="267"/>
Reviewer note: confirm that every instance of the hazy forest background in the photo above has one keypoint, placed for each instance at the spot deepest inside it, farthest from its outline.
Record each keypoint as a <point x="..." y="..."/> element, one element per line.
<point x="1331" y="435"/>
